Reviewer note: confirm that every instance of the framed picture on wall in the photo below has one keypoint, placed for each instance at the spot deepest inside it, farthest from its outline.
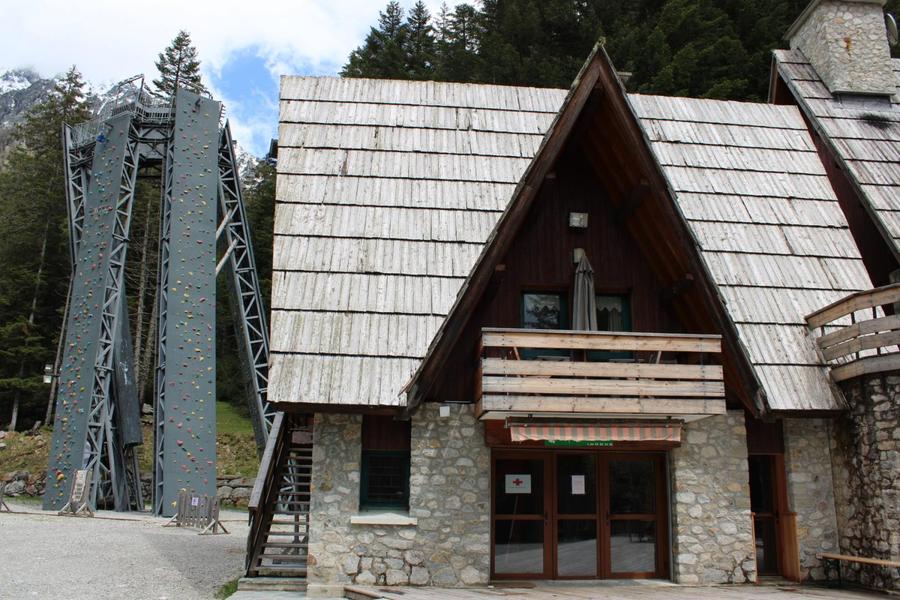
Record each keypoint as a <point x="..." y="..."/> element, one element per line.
<point x="543" y="310"/>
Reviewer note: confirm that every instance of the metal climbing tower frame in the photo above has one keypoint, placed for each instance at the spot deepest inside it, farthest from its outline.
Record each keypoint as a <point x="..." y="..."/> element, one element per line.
<point x="85" y="433"/>
<point x="252" y="331"/>
<point x="185" y="456"/>
<point x="98" y="418"/>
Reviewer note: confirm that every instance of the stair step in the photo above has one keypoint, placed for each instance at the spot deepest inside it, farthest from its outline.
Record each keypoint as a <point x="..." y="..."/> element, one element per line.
<point x="298" y="522"/>
<point x="271" y="584"/>
<point x="285" y="558"/>
<point x="288" y="571"/>
<point x="286" y="545"/>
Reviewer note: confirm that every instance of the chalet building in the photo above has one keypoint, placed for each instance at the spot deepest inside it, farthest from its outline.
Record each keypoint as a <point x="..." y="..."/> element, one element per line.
<point x="525" y="333"/>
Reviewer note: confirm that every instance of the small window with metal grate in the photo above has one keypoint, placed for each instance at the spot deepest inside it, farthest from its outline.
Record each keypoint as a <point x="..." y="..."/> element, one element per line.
<point x="384" y="477"/>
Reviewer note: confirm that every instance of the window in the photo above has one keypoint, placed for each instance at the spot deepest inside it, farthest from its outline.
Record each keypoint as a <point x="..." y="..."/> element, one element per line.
<point x="384" y="472"/>
<point x="613" y="313"/>
<point x="544" y="310"/>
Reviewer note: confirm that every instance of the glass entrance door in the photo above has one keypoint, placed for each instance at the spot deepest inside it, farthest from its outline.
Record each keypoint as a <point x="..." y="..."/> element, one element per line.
<point x="577" y="525"/>
<point x="579" y="515"/>
<point x="636" y="517"/>
<point x="521" y="515"/>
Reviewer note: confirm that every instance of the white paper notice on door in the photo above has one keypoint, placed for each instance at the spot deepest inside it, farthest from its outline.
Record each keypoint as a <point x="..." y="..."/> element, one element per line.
<point x="518" y="484"/>
<point x="578" y="485"/>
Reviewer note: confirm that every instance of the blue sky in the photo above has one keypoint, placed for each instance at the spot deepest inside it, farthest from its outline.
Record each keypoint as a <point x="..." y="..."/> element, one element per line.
<point x="244" y="47"/>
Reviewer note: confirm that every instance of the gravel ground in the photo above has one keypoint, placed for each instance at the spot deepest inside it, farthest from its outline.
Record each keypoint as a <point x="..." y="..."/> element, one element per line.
<point x="114" y="556"/>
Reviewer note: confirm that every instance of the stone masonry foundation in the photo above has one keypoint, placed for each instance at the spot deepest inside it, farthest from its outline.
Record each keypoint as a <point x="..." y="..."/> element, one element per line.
<point x="446" y="541"/>
<point x="713" y="539"/>
<point x="807" y="461"/>
<point x="866" y="460"/>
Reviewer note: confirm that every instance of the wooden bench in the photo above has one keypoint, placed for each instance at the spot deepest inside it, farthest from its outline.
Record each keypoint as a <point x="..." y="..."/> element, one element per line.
<point x="837" y="559"/>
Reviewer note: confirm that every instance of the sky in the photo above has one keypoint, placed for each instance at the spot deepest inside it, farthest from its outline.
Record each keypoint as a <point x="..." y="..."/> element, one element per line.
<point x="244" y="46"/>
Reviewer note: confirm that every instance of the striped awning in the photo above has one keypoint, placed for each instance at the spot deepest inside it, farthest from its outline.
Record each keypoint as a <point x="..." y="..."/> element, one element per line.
<point x="621" y="432"/>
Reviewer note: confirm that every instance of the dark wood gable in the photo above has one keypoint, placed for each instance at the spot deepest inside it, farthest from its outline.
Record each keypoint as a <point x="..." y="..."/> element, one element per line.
<point x="595" y="160"/>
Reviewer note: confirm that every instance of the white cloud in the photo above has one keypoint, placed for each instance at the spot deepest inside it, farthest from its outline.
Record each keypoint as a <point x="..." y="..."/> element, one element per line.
<point x="110" y="40"/>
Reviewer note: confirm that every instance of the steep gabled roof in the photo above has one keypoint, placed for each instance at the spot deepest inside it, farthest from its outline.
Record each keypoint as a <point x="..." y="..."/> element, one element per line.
<point x="864" y="136"/>
<point x="747" y="181"/>
<point x="386" y="193"/>
<point x="771" y="233"/>
<point x="393" y="198"/>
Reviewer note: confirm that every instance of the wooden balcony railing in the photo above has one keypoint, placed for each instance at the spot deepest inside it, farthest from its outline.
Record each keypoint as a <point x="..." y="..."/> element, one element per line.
<point x="857" y="336"/>
<point x="599" y="374"/>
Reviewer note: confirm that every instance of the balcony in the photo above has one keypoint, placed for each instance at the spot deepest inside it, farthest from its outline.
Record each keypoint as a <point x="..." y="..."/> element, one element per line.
<point x="857" y="336"/>
<point x="588" y="374"/>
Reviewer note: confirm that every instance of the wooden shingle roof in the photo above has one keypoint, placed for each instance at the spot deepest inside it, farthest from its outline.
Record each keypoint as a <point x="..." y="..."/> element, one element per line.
<point x="749" y="182"/>
<point x="386" y="194"/>
<point x="864" y="135"/>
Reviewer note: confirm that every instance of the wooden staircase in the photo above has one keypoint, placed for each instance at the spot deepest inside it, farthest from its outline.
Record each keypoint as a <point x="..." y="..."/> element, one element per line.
<point x="279" y="505"/>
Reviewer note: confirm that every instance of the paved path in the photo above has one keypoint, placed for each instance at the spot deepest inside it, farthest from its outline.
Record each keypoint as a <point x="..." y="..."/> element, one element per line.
<point x="611" y="590"/>
<point x="114" y="556"/>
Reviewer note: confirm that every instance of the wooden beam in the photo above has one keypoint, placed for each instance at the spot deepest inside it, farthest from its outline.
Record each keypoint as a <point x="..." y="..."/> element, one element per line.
<point x="600" y="340"/>
<point x="857" y="329"/>
<point x="866" y="366"/>
<point x="602" y="387"/>
<point x="678" y="288"/>
<point x="663" y="407"/>
<point x="866" y="342"/>
<point x="546" y="368"/>
<point x="633" y="201"/>
<point x="854" y="302"/>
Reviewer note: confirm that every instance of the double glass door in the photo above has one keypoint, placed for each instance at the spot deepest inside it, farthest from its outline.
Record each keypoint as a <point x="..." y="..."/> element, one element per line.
<point x="580" y="515"/>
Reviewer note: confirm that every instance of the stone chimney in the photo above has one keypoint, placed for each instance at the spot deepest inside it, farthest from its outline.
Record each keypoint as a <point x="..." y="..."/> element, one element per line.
<point x="846" y="42"/>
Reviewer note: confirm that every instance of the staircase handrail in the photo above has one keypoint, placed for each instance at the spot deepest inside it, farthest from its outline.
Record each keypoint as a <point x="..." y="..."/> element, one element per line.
<point x="264" y="484"/>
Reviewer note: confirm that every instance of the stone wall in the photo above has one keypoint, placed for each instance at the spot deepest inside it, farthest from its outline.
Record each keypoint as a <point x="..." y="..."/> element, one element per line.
<point x="807" y="461"/>
<point x="449" y="544"/>
<point x="846" y="42"/>
<point x="866" y="460"/>
<point x="713" y="539"/>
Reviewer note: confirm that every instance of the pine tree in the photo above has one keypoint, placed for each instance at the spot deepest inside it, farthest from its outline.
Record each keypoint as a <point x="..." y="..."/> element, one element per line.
<point x="382" y="55"/>
<point x="420" y="44"/>
<point x="458" y="44"/>
<point x="34" y="246"/>
<point x="179" y="66"/>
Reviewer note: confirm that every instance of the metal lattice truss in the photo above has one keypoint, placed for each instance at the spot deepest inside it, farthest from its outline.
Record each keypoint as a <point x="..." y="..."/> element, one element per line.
<point x="132" y="131"/>
<point x="159" y="434"/>
<point x="250" y="314"/>
<point x="107" y="466"/>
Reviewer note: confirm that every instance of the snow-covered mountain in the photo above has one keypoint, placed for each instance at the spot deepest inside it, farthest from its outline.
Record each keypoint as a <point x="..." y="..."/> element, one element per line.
<point x="20" y="89"/>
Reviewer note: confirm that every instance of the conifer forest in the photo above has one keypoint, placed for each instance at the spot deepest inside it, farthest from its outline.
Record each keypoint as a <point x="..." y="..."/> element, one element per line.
<point x="699" y="48"/>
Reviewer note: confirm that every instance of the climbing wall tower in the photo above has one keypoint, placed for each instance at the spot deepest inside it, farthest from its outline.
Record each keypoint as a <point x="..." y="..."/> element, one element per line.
<point x="97" y="423"/>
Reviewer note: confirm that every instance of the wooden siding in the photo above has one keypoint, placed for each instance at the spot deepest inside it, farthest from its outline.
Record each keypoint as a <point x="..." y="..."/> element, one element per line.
<point x="647" y="385"/>
<point x="540" y="258"/>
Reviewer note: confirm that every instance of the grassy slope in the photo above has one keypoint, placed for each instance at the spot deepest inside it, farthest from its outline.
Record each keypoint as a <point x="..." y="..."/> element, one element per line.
<point x="236" y="447"/>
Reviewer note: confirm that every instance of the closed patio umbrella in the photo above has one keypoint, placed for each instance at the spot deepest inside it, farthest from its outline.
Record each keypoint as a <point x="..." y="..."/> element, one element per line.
<point x="584" y="313"/>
